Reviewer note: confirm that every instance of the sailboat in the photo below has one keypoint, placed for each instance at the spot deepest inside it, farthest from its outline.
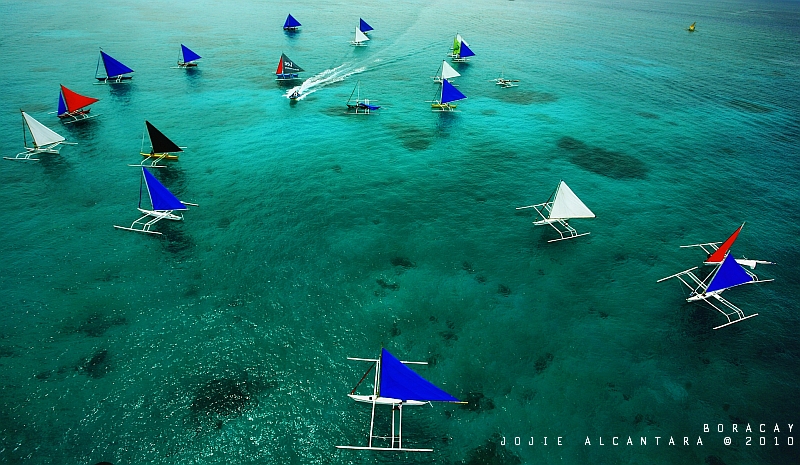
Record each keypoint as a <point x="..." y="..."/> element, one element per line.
<point x="115" y="71"/>
<point x="72" y="106"/>
<point x="161" y="147"/>
<point x="291" y="24"/>
<point x="187" y="58"/>
<point x="449" y="94"/>
<point x="45" y="140"/>
<point x="503" y="82"/>
<point x="447" y="72"/>
<point x="360" y="106"/>
<point x="360" y="38"/>
<point x="717" y="251"/>
<point x="395" y="385"/>
<point x="363" y="26"/>
<point x="563" y="205"/>
<point x="728" y="274"/>
<point x="691" y="28"/>
<point x="460" y="51"/>
<point x="162" y="202"/>
<point x="287" y="69"/>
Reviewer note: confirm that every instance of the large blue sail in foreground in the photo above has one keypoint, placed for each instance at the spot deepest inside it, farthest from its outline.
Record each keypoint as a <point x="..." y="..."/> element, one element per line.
<point x="450" y="93"/>
<point x="400" y="382"/>
<point x="728" y="275"/>
<point x="161" y="198"/>
<point x="113" y="67"/>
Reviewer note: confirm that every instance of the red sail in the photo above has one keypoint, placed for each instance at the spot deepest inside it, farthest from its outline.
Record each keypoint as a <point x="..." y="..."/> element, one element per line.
<point x="719" y="254"/>
<point x="280" y="66"/>
<point x="74" y="100"/>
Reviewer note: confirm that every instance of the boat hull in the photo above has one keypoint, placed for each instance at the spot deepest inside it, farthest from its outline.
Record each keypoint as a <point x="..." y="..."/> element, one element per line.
<point x="384" y="400"/>
<point x="443" y="106"/>
<point x="114" y="79"/>
<point x="190" y="64"/>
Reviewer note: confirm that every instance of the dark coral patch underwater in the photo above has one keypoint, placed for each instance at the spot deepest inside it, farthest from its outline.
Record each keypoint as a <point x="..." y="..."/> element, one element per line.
<point x="609" y="163"/>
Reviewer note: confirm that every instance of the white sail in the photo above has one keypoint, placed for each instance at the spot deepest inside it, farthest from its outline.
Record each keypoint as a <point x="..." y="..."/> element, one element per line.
<point x="360" y="36"/>
<point x="567" y="205"/>
<point x="448" y="72"/>
<point x="42" y="135"/>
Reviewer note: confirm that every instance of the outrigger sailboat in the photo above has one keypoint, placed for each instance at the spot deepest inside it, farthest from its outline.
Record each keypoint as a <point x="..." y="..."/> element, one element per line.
<point x="460" y="51"/>
<point x="360" y="106"/>
<point x="115" y="71"/>
<point x="717" y="251"/>
<point x="728" y="274"/>
<point x="45" y="140"/>
<point x="449" y="94"/>
<point x="503" y="82"/>
<point x="161" y="147"/>
<point x="187" y="58"/>
<point x="72" y="106"/>
<point x="363" y="26"/>
<point x="691" y="28"/>
<point x="563" y="205"/>
<point x="163" y="205"/>
<point x="287" y="69"/>
<point x="360" y="38"/>
<point x="447" y="72"/>
<point x="395" y="385"/>
<point x="291" y="24"/>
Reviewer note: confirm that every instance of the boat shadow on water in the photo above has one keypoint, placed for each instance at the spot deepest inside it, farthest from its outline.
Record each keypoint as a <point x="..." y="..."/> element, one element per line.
<point x="121" y="91"/>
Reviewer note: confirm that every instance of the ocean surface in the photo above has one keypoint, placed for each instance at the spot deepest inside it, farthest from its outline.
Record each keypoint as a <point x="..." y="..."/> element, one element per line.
<point x="321" y="235"/>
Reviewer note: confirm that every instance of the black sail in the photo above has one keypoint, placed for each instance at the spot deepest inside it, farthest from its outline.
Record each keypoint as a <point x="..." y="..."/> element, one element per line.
<point x="160" y="142"/>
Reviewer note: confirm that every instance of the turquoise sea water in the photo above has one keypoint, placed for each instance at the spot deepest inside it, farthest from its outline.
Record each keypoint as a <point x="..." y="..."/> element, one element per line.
<point x="322" y="235"/>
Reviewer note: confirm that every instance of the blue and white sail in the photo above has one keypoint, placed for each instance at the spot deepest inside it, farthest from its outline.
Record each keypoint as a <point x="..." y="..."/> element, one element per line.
<point x="397" y="381"/>
<point x="115" y="70"/>
<point x="160" y="197"/>
<point x="363" y="26"/>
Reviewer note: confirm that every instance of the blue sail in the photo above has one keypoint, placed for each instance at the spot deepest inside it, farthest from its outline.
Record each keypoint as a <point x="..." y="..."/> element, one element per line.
<point x="291" y="22"/>
<point x="189" y="55"/>
<point x="113" y="67"/>
<point x="62" y="107"/>
<point x="161" y="198"/>
<point x="363" y="26"/>
<point x="465" y="51"/>
<point x="729" y="274"/>
<point x="450" y="93"/>
<point x="399" y="382"/>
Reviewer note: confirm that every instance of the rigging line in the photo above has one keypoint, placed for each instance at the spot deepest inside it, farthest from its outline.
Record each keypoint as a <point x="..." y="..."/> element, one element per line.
<point x="363" y="378"/>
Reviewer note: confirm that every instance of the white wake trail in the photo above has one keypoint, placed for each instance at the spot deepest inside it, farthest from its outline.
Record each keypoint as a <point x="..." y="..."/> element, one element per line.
<point x="320" y="80"/>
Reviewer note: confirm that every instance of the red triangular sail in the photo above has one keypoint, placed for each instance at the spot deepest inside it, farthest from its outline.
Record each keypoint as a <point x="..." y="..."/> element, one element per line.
<point x="720" y="253"/>
<point x="280" y="66"/>
<point x="74" y="100"/>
